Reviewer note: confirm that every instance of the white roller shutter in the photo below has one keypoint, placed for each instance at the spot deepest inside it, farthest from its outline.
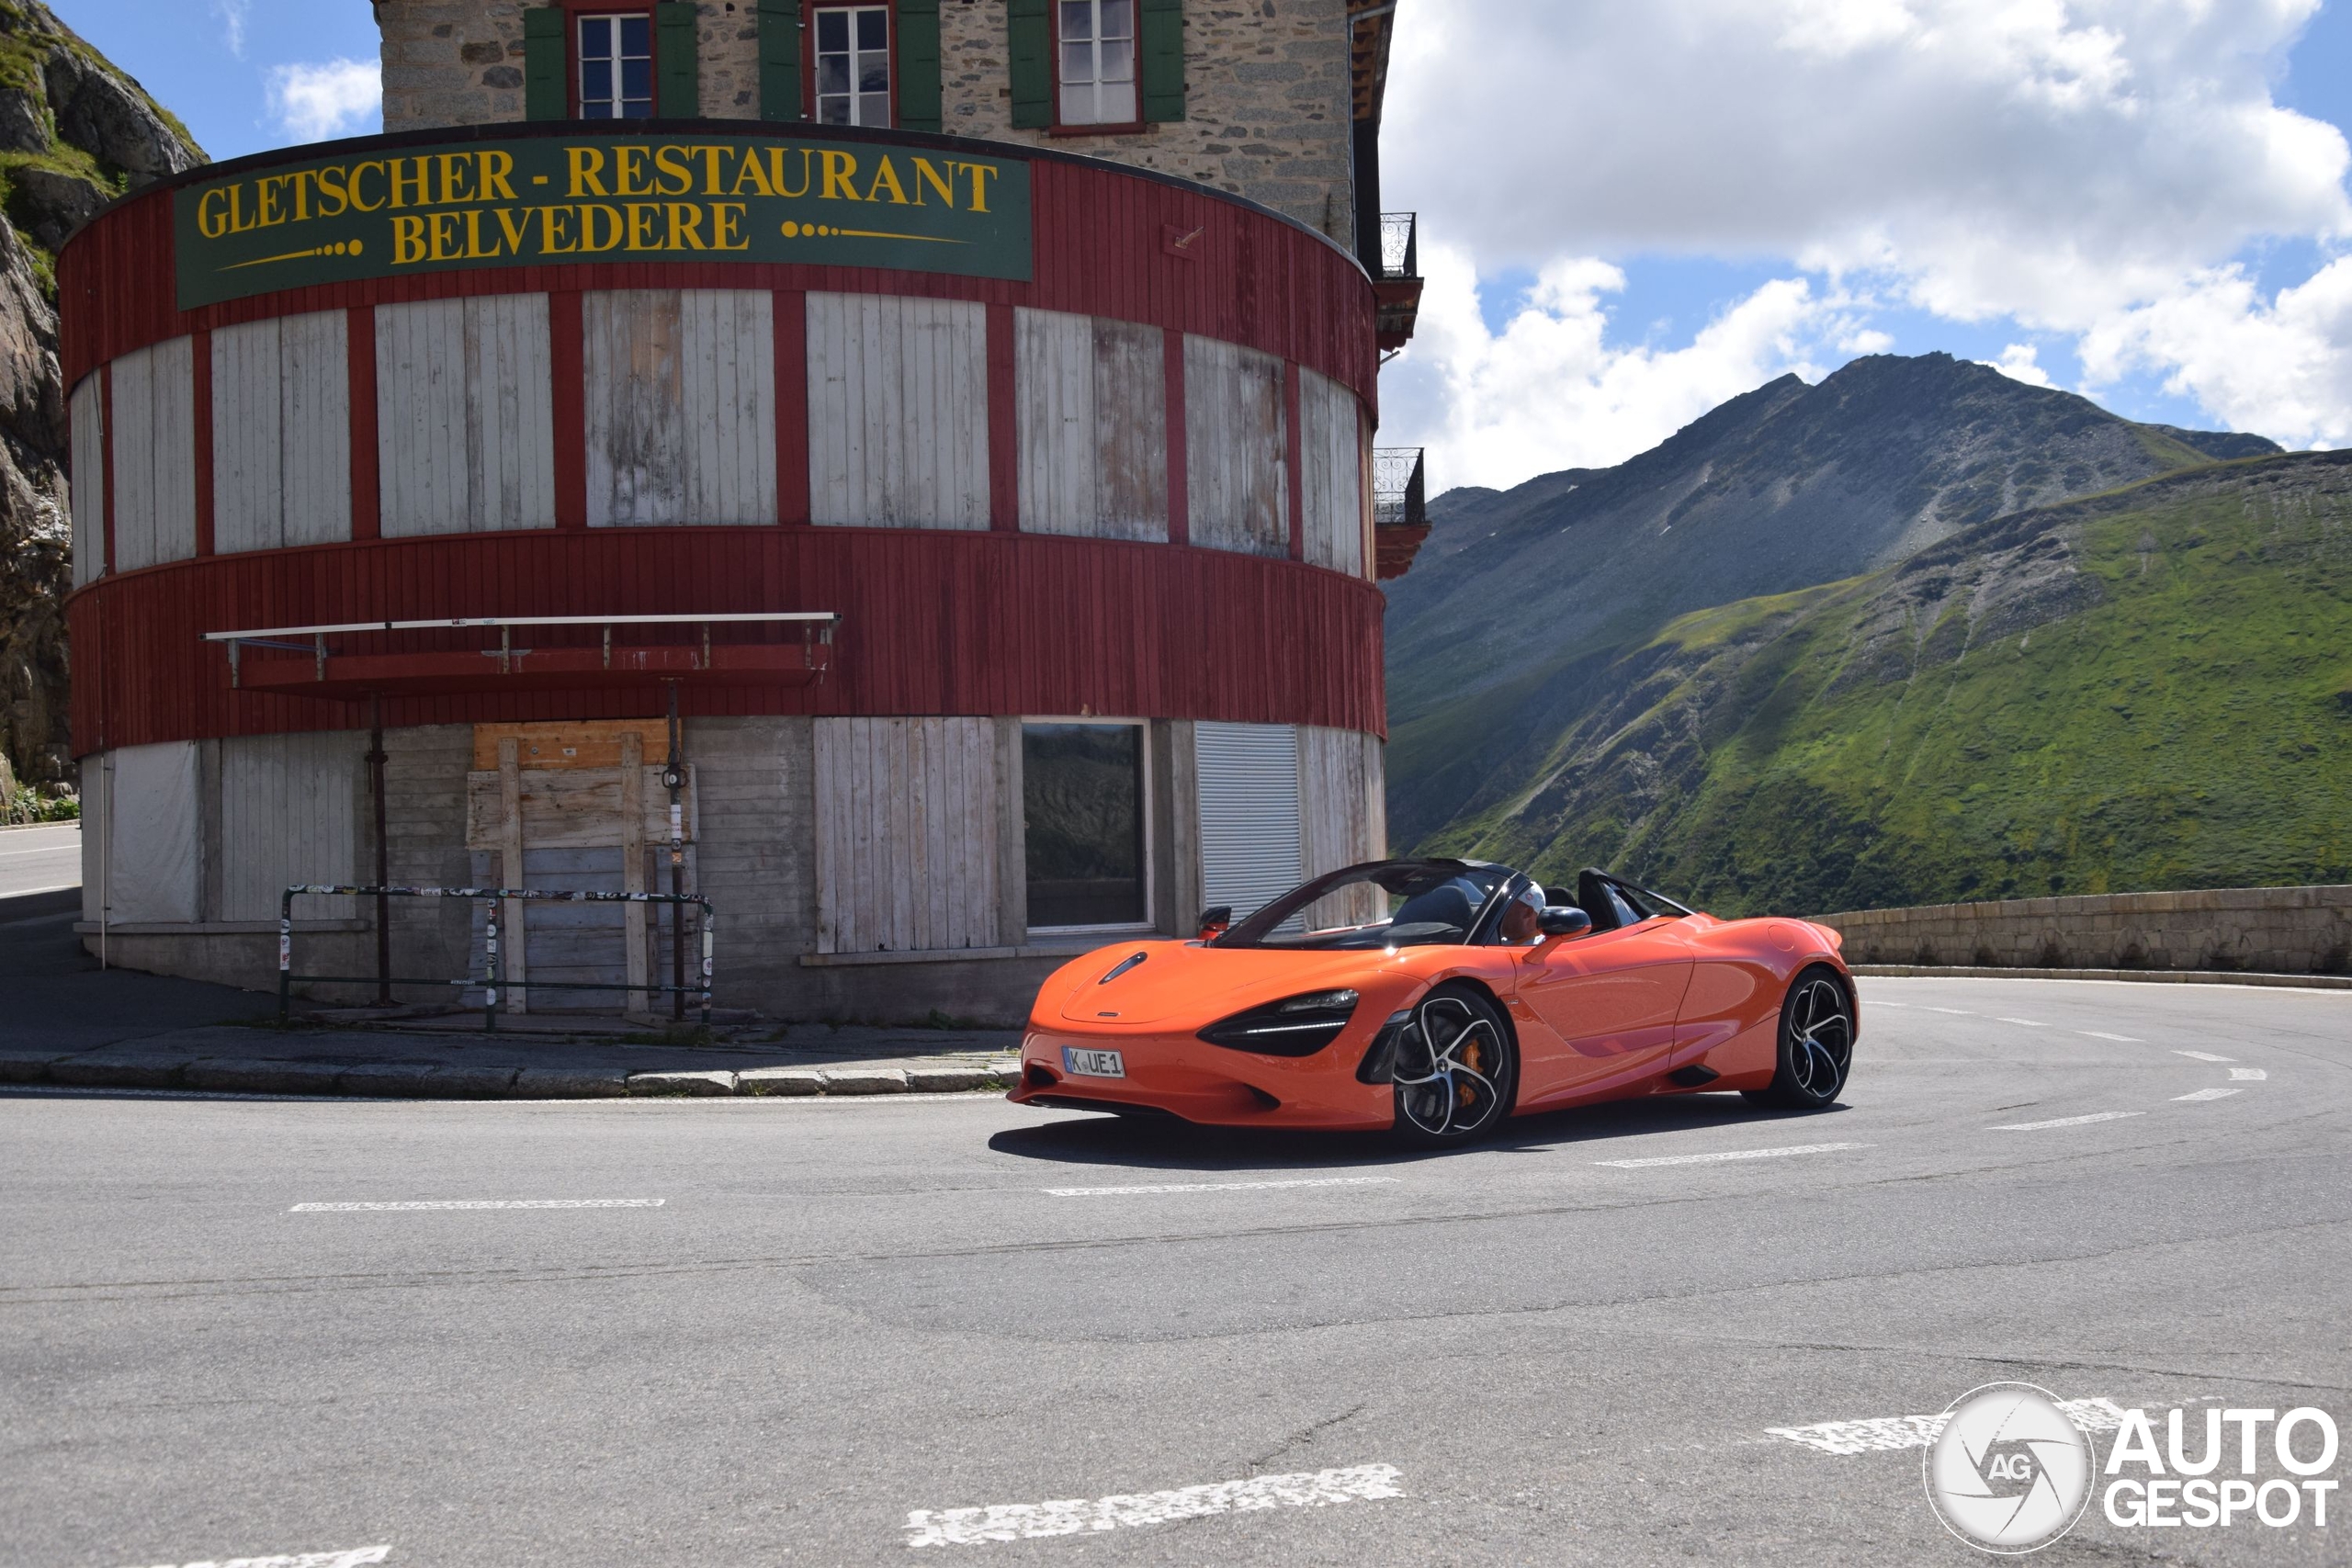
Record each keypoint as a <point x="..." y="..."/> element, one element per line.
<point x="1249" y="793"/>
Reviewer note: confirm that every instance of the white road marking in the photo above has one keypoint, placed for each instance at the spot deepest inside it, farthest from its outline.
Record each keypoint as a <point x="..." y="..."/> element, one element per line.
<point x="1886" y="1434"/>
<point x="1028" y="1521"/>
<point x="2207" y="1094"/>
<point x="355" y="1557"/>
<point x="1957" y="1012"/>
<point x="478" y="1203"/>
<point x="2027" y="1022"/>
<point x="1217" y="1186"/>
<point x="1730" y="1154"/>
<point x="2102" y="1035"/>
<point x="1878" y="1004"/>
<point x="2250" y="1075"/>
<point x="2204" y="1057"/>
<point x="2067" y="1121"/>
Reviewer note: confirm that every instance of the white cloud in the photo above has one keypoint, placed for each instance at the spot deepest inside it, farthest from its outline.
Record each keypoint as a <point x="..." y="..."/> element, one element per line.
<point x="2283" y="367"/>
<point x="324" y="98"/>
<point x="232" y="15"/>
<point x="2021" y="362"/>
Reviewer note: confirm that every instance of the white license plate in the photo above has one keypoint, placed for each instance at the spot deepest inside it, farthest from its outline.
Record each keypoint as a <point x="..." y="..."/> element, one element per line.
<point x="1093" y="1063"/>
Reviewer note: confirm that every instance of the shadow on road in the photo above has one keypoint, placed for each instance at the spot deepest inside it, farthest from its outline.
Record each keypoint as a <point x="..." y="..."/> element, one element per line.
<point x="1165" y="1144"/>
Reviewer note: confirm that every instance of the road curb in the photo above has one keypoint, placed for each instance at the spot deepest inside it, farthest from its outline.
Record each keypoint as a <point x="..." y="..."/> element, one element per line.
<point x="2145" y="976"/>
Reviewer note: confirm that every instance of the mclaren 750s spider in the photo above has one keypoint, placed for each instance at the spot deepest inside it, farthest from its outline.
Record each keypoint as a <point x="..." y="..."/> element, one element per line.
<point x="1439" y="997"/>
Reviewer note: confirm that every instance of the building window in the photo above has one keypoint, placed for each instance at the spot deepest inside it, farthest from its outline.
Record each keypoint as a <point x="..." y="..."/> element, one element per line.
<point x="854" y="65"/>
<point x="1084" y="803"/>
<point x="615" y="67"/>
<point x="1098" y="63"/>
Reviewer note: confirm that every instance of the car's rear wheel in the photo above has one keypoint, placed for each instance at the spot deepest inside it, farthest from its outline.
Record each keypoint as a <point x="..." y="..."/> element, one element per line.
<point x="1816" y="1044"/>
<point x="1455" y="1068"/>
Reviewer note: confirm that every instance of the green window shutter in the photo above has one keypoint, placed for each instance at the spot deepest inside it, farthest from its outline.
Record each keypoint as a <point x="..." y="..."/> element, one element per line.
<point x="779" y="59"/>
<point x="918" y="65"/>
<point x="1160" y="44"/>
<point x="677" y="90"/>
<point x="547" y="61"/>
<point x="1032" y="50"/>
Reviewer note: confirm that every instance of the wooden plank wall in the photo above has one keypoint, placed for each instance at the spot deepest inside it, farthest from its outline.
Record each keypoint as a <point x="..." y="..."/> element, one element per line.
<point x="88" y="492"/>
<point x="755" y="860"/>
<point x="897" y="411"/>
<point x="1342" y="818"/>
<point x="155" y="864"/>
<point x="155" y="454"/>
<point x="906" y="834"/>
<point x="1092" y="400"/>
<point x="281" y="433"/>
<point x="291" y="810"/>
<point x="1331" y="463"/>
<point x="465" y="421"/>
<point x="1236" y="449"/>
<point x="680" y="398"/>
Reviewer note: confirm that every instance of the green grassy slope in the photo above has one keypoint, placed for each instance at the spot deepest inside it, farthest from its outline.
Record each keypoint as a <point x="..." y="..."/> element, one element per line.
<point x="2149" y="688"/>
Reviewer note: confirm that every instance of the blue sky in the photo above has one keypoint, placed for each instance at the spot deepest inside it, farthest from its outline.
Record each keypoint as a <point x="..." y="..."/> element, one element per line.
<point x="1659" y="206"/>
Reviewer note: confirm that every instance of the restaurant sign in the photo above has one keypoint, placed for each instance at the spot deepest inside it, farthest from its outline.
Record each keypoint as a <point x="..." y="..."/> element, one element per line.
<point x="553" y="200"/>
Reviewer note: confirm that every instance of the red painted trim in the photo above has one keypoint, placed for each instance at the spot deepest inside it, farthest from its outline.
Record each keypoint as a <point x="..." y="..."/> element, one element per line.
<point x="1297" y="479"/>
<point x="791" y="408"/>
<point x="934" y="622"/>
<point x="201" y="401"/>
<point x="367" y="453"/>
<point x="1180" y="473"/>
<point x="106" y="454"/>
<point x="568" y="399"/>
<point x="1004" y="424"/>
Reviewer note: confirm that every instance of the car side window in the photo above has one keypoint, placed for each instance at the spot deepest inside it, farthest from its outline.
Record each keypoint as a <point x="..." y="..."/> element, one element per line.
<point x="1522" y="921"/>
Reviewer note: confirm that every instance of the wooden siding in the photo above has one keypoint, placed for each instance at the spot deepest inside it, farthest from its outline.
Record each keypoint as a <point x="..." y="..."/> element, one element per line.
<point x="465" y="432"/>
<point x="291" y="810"/>
<point x="680" y="398"/>
<point x="757" y="855"/>
<point x="897" y="411"/>
<point x="1236" y="449"/>
<point x="906" y="833"/>
<point x="281" y="433"/>
<point x="1092" y="401"/>
<point x="1342" y="818"/>
<point x="88" y="489"/>
<point x="154" y="456"/>
<point x="1331" y="468"/>
<point x="933" y="623"/>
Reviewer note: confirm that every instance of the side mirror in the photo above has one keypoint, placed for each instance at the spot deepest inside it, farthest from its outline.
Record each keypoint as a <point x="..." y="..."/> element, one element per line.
<point x="1565" y="920"/>
<point x="1215" y="920"/>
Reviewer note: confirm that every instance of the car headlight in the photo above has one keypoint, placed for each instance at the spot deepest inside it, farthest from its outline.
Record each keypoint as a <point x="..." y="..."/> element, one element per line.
<point x="1295" y="1026"/>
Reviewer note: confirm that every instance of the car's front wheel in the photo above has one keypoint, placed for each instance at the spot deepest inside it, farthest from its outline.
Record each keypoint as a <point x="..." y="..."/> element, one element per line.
<point x="1816" y="1044"/>
<point x="1455" y="1068"/>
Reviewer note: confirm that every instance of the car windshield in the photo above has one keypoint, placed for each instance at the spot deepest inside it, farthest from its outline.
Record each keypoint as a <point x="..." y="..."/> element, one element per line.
<point x="1382" y="904"/>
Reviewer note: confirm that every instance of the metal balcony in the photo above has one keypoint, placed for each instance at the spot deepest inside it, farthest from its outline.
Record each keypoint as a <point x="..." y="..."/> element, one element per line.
<point x="1396" y="279"/>
<point x="1400" y="518"/>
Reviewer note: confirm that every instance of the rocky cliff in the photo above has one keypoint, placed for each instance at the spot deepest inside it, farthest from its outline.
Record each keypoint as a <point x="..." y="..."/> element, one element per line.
<point x="75" y="134"/>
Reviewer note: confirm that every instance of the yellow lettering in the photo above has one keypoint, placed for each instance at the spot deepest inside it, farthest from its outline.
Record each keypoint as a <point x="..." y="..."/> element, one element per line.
<point x="588" y="215"/>
<point x="710" y="154"/>
<point x="301" y="179"/>
<point x="751" y="170"/>
<point x="671" y="162"/>
<point x="408" y="241"/>
<point x="358" y="172"/>
<point x="776" y="162"/>
<point x="980" y="175"/>
<point x="642" y="215"/>
<point x="238" y="223"/>
<point x="726" y="227"/>
<point x="889" y="175"/>
<point x="331" y="188"/>
<point x="927" y="176"/>
<point x="420" y="184"/>
<point x="473" y="237"/>
<point x="444" y="237"/>
<point x="265" y="193"/>
<point x="555" y="232"/>
<point x="455" y="168"/>
<point x="629" y="172"/>
<point x="512" y="223"/>
<point x="685" y="227"/>
<point x="587" y="171"/>
<point x="491" y="176"/>
<point x="840" y="169"/>
<point x="208" y="223"/>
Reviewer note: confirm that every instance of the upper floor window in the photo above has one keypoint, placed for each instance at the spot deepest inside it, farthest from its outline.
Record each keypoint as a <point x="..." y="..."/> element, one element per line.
<point x="615" y="67"/>
<point x="854" y="65"/>
<point x="1098" y="63"/>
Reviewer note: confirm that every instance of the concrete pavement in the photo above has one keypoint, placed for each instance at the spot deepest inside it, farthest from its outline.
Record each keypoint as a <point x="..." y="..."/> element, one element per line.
<point x="40" y="859"/>
<point x="828" y="1330"/>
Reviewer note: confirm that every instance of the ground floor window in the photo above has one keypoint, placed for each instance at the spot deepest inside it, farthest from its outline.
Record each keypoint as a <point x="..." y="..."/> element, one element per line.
<point x="1084" y="809"/>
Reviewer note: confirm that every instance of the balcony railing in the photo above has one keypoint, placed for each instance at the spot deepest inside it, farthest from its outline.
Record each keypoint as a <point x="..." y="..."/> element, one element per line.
<point x="1399" y="496"/>
<point x="1400" y="244"/>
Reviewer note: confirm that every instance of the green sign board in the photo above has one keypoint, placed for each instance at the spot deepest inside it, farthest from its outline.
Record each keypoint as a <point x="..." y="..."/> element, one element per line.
<point x="551" y="200"/>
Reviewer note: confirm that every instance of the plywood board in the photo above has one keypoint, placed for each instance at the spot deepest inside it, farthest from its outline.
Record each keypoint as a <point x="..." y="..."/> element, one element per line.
<point x="1236" y="449"/>
<point x="897" y="411"/>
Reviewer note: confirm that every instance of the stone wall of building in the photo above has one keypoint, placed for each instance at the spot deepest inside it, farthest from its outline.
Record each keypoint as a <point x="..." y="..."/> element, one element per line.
<point x="2281" y="930"/>
<point x="1268" y="104"/>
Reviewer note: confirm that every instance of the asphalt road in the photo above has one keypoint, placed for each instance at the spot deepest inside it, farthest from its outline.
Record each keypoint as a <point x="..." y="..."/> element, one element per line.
<point x="39" y="860"/>
<point x="840" y="1314"/>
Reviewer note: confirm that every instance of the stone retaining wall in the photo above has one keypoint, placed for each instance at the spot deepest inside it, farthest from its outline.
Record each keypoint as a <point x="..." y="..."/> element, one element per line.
<point x="2283" y="931"/>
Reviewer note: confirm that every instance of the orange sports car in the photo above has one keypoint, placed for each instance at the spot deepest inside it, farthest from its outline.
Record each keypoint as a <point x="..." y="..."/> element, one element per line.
<point x="1438" y="997"/>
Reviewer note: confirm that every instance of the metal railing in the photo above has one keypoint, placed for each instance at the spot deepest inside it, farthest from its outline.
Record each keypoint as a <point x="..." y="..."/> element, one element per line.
<point x="492" y="976"/>
<point x="1398" y="492"/>
<point x="815" y="626"/>
<point x="1400" y="244"/>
